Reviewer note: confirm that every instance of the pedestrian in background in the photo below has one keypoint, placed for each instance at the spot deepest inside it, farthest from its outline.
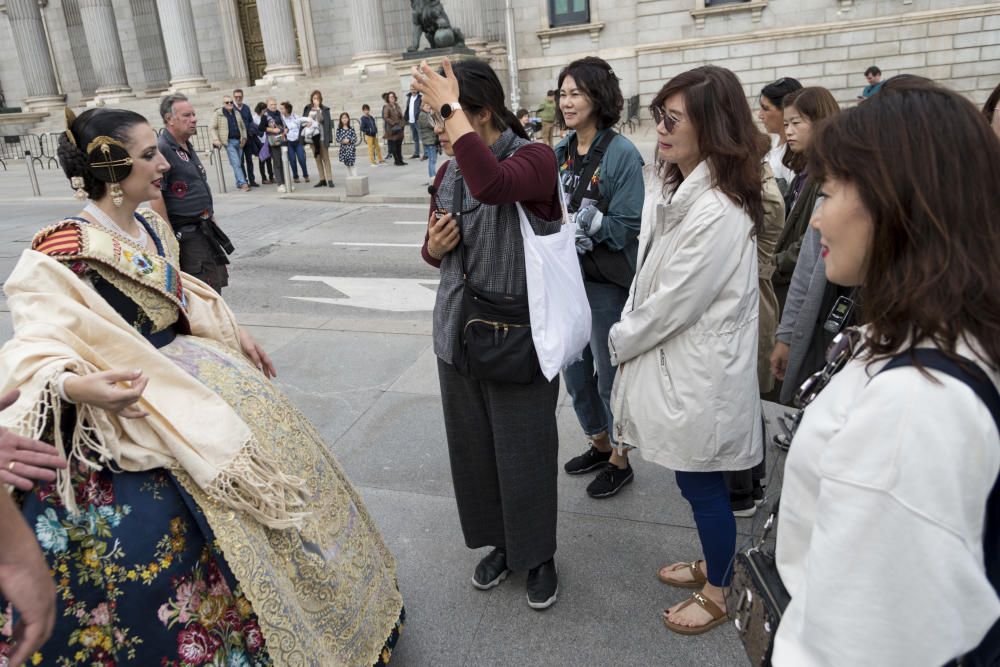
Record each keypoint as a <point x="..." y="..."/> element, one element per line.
<point x="874" y="77"/>
<point x="771" y="116"/>
<point x="503" y="440"/>
<point x="347" y="139"/>
<point x="990" y="110"/>
<point x="186" y="200"/>
<point x="272" y="124"/>
<point x="293" y="137"/>
<point x="251" y="149"/>
<point x="320" y="136"/>
<point x="686" y="346"/>
<point x="226" y="122"/>
<point x="265" y="164"/>
<point x="369" y="129"/>
<point x="888" y="533"/>
<point x="547" y="114"/>
<point x="392" y="119"/>
<point x="601" y="178"/>
<point x="412" y="110"/>
<point x="428" y="138"/>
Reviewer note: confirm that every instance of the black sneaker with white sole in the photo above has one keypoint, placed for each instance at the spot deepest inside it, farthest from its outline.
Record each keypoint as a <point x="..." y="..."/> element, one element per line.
<point x="610" y="481"/>
<point x="492" y="569"/>
<point x="543" y="585"/>
<point x="590" y="460"/>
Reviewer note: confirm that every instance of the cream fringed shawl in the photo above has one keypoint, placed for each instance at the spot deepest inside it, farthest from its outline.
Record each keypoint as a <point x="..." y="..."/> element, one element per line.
<point x="62" y="324"/>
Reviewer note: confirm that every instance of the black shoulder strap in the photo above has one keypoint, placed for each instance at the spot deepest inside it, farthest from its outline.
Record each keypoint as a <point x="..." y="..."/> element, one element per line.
<point x="988" y="652"/>
<point x="596" y="154"/>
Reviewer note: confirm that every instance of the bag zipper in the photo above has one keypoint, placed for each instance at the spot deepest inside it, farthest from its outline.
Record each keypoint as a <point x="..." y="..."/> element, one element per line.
<point x="500" y="329"/>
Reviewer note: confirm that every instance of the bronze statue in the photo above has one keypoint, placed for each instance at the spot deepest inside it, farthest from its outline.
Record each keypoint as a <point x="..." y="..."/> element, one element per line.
<point x="429" y="18"/>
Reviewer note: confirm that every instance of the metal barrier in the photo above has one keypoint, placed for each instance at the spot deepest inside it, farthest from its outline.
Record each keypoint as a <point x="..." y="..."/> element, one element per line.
<point x="32" y="176"/>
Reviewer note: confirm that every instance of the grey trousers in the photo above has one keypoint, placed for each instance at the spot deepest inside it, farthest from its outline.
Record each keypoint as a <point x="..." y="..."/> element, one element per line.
<point x="503" y="444"/>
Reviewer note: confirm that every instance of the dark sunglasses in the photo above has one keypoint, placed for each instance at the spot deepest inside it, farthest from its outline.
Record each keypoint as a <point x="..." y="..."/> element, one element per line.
<point x="659" y="116"/>
<point x="227" y="104"/>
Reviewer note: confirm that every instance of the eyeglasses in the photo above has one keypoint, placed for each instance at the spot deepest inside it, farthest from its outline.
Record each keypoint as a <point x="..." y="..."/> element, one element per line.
<point x="228" y="103"/>
<point x="436" y="119"/>
<point x="660" y="116"/>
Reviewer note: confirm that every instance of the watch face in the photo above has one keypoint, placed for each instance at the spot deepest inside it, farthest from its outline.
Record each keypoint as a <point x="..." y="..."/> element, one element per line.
<point x="446" y="111"/>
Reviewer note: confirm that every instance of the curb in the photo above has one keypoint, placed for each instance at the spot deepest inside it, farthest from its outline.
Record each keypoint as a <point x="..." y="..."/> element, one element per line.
<point x="365" y="199"/>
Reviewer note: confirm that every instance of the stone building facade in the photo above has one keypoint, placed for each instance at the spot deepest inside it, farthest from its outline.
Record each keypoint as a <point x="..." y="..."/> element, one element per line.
<point x="128" y="52"/>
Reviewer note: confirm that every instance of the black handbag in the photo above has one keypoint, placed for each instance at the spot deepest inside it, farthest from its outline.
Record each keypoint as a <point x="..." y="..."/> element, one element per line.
<point x="601" y="264"/>
<point x="494" y="342"/>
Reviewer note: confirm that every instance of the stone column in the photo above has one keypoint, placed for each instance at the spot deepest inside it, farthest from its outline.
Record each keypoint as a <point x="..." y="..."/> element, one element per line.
<point x="277" y="27"/>
<point x="469" y="16"/>
<point x="236" y="55"/>
<point x="368" y="39"/>
<point x="33" y="53"/>
<point x="181" y="42"/>
<point x="105" y="48"/>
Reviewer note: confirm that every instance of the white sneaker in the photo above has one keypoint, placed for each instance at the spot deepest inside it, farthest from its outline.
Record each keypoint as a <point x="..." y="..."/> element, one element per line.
<point x="281" y="189"/>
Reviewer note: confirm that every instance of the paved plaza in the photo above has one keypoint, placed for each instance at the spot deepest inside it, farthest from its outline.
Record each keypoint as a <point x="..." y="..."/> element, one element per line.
<point x="338" y="294"/>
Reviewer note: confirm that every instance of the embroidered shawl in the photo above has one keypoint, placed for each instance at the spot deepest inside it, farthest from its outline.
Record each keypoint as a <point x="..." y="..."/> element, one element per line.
<point x="62" y="324"/>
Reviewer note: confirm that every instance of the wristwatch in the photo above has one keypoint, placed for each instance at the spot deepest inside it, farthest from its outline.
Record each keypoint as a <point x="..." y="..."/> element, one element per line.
<point x="447" y="109"/>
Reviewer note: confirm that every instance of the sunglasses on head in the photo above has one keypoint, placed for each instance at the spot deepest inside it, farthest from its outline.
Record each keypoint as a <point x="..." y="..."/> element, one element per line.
<point x="660" y="116"/>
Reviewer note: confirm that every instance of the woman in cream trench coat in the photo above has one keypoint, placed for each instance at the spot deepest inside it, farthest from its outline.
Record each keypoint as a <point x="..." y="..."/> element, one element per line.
<point x="686" y="392"/>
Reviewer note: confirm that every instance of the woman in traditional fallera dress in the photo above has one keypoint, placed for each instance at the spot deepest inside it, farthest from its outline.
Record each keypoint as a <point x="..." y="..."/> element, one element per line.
<point x="201" y="520"/>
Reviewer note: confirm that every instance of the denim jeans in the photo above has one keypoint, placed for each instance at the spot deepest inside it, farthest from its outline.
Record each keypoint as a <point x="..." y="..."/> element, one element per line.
<point x="709" y="499"/>
<point x="235" y="153"/>
<point x="432" y="155"/>
<point x="589" y="380"/>
<point x="415" y="131"/>
<point x="297" y="158"/>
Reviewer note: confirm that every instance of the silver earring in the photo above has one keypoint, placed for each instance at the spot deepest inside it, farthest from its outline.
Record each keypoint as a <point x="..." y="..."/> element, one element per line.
<point x="77" y="184"/>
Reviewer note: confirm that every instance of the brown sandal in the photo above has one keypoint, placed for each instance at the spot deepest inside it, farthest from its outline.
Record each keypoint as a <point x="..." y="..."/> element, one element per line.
<point x="698" y="578"/>
<point x="718" y="616"/>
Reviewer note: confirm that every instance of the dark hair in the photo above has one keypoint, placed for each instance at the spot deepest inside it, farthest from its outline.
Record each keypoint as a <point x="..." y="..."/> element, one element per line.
<point x="522" y="112"/>
<point x="595" y="78"/>
<point x="991" y="104"/>
<point x="287" y="106"/>
<point x="260" y="107"/>
<point x="365" y="107"/>
<point x="314" y="94"/>
<point x="933" y="266"/>
<point x="815" y="103"/>
<point x="728" y="137"/>
<point x="385" y="96"/>
<point x="776" y="91"/>
<point x="340" y="120"/>
<point x="873" y="71"/>
<point x="238" y="90"/>
<point x="167" y="104"/>
<point x="93" y="123"/>
<point x="479" y="89"/>
<point x="550" y="93"/>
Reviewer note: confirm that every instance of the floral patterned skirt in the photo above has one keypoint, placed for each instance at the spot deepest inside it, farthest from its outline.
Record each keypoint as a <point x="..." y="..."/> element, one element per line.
<point x="142" y="578"/>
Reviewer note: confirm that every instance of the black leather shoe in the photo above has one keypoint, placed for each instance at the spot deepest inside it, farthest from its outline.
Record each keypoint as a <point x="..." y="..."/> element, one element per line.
<point x="321" y="184"/>
<point x="254" y="184"/>
<point x="491" y="570"/>
<point x="543" y="585"/>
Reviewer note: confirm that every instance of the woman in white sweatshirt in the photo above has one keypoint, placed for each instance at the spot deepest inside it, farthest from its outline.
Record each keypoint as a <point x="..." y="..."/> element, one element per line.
<point x="880" y="538"/>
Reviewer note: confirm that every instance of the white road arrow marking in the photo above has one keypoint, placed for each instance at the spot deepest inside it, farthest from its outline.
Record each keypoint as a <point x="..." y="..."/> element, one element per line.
<point x="399" y="295"/>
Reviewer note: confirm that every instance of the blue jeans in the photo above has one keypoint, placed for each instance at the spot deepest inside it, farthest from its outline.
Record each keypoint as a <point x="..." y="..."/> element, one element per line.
<point x="235" y="154"/>
<point x="589" y="380"/>
<point x="432" y="156"/>
<point x="415" y="131"/>
<point x="709" y="498"/>
<point x="297" y="153"/>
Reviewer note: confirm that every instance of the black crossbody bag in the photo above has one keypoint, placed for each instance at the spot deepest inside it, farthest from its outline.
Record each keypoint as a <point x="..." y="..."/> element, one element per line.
<point x="494" y="342"/>
<point x="757" y="598"/>
<point x="601" y="264"/>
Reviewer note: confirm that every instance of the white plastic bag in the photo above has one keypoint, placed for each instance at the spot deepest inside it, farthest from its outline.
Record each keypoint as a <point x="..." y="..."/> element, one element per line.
<point x="557" y="301"/>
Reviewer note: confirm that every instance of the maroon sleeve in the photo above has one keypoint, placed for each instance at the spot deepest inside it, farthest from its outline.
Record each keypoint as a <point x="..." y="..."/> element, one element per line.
<point x="528" y="176"/>
<point x="438" y="177"/>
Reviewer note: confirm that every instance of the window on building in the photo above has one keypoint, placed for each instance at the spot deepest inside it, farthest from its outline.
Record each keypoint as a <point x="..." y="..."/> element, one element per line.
<point x="568" y="12"/>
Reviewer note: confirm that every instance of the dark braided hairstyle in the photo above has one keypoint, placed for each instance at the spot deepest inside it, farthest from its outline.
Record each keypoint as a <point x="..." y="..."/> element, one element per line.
<point x="93" y="123"/>
<point x="479" y="88"/>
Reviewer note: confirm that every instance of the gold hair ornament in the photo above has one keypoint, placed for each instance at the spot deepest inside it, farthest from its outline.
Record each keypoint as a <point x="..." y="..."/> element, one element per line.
<point x="70" y="119"/>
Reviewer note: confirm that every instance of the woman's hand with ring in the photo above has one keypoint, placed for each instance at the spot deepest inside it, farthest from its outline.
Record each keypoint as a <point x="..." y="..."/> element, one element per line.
<point x="24" y="461"/>
<point x="442" y="235"/>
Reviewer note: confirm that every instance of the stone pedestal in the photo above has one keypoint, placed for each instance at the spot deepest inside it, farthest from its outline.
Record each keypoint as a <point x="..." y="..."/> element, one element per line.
<point x="434" y="57"/>
<point x="357" y="186"/>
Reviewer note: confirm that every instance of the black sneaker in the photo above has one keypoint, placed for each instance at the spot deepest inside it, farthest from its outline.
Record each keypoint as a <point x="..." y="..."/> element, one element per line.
<point x="492" y="569"/>
<point x="609" y="481"/>
<point x="592" y="459"/>
<point x="543" y="585"/>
